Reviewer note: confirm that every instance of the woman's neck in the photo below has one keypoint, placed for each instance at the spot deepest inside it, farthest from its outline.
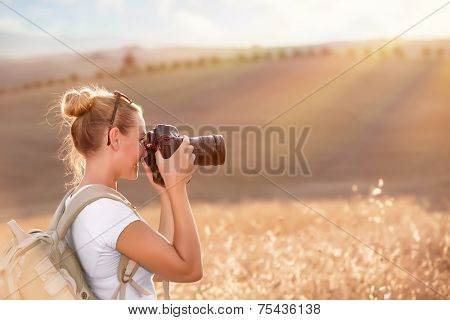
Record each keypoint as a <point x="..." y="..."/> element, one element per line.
<point x="98" y="173"/>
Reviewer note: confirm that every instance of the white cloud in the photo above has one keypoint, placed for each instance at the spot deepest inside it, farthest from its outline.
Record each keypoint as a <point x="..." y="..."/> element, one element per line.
<point x="195" y="27"/>
<point x="13" y="25"/>
<point x="164" y="8"/>
<point x="230" y="22"/>
<point x="115" y="5"/>
<point x="290" y="21"/>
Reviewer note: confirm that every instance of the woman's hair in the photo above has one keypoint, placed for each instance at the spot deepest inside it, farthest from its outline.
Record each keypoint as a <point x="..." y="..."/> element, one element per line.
<point x="87" y="112"/>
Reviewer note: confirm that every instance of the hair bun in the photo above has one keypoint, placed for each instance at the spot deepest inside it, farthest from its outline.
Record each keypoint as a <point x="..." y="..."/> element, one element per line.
<point x="75" y="102"/>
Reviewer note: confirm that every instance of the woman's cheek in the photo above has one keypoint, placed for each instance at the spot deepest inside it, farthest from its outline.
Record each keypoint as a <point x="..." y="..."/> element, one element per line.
<point x="133" y="154"/>
<point x="129" y="150"/>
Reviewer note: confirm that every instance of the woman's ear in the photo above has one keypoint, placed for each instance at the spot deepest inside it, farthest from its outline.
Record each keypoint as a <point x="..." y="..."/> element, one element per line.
<point x="114" y="136"/>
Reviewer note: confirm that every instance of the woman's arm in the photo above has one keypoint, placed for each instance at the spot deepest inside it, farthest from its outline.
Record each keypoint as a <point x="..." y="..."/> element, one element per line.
<point x="166" y="215"/>
<point x="165" y="223"/>
<point x="179" y="261"/>
<point x="166" y="218"/>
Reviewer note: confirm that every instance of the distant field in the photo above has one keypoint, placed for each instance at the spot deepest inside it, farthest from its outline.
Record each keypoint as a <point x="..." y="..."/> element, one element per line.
<point x="387" y="118"/>
<point x="283" y="250"/>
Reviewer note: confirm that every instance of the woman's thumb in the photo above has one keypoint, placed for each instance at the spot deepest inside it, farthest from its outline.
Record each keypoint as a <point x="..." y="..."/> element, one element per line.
<point x="158" y="155"/>
<point x="159" y="158"/>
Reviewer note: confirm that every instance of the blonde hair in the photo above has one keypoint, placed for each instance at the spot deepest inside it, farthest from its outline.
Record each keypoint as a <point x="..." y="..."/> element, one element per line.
<point x="87" y="112"/>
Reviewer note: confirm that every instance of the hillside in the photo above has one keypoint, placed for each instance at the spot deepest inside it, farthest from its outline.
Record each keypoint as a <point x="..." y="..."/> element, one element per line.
<point x="387" y="118"/>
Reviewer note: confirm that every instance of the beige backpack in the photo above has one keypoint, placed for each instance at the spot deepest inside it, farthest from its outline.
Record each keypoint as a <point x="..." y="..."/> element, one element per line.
<point x="40" y="265"/>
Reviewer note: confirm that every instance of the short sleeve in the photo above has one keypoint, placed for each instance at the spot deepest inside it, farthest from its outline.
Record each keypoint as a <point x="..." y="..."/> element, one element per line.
<point x="112" y="218"/>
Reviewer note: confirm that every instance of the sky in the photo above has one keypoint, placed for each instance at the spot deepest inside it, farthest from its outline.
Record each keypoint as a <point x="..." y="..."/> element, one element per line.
<point x="97" y="24"/>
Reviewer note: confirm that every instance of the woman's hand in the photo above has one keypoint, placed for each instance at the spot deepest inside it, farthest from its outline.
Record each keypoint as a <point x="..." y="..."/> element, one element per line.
<point x="177" y="170"/>
<point x="175" y="256"/>
<point x="159" y="189"/>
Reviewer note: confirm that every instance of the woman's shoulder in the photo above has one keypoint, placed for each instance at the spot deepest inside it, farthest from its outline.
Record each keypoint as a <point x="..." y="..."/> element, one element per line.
<point x="104" y="219"/>
<point x="106" y="209"/>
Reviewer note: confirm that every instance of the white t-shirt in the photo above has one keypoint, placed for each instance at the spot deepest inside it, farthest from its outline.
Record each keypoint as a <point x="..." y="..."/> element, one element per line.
<point x="93" y="235"/>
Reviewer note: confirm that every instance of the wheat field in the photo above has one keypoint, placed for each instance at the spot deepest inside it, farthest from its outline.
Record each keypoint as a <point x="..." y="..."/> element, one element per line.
<point x="284" y="250"/>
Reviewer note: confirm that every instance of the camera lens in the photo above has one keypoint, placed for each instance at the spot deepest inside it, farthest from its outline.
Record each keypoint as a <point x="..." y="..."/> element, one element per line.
<point x="209" y="150"/>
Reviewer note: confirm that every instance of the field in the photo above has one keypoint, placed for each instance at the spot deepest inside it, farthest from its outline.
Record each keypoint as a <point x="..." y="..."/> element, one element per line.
<point x="284" y="250"/>
<point x="386" y="120"/>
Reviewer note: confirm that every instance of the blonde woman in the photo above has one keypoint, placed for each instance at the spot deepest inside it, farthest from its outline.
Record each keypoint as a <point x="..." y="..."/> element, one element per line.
<point x="103" y="146"/>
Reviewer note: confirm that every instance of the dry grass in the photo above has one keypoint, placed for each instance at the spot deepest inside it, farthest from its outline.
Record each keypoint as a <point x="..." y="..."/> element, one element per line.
<point x="283" y="250"/>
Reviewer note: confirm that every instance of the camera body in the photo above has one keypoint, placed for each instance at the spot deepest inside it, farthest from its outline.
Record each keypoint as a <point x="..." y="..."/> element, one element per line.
<point x="208" y="150"/>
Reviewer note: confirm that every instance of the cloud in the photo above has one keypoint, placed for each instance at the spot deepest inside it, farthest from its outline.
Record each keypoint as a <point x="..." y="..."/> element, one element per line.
<point x="14" y="25"/>
<point x="227" y="22"/>
<point x="195" y="27"/>
<point x="115" y="5"/>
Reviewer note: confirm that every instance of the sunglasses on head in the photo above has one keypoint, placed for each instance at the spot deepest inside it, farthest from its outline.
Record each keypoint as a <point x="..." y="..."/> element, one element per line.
<point x="118" y="95"/>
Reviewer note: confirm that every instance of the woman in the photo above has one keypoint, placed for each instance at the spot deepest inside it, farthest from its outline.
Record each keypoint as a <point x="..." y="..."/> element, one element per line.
<point x="103" y="146"/>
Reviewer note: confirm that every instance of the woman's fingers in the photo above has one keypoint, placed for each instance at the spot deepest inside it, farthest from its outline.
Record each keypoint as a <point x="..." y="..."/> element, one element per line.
<point x="159" y="159"/>
<point x="180" y="165"/>
<point x="146" y="167"/>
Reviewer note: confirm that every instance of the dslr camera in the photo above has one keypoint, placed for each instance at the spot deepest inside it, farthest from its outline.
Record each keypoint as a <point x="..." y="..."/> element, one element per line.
<point x="209" y="150"/>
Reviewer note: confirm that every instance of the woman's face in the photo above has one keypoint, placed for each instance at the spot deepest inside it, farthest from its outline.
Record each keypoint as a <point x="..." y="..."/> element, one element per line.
<point x="132" y="150"/>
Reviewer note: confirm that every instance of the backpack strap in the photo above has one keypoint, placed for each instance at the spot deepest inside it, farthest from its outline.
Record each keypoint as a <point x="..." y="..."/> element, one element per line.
<point x="166" y="289"/>
<point x="127" y="269"/>
<point x="83" y="198"/>
<point x="64" y="217"/>
<point x="59" y="211"/>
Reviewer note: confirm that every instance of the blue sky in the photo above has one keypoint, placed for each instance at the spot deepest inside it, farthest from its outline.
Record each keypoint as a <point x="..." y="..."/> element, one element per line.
<point x="226" y="22"/>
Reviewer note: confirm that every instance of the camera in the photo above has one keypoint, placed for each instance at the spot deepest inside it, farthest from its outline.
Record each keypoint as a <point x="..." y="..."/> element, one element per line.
<point x="209" y="150"/>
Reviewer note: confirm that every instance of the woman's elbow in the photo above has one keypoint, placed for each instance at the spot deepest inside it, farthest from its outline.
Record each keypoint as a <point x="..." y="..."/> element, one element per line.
<point x="197" y="276"/>
<point x="193" y="275"/>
